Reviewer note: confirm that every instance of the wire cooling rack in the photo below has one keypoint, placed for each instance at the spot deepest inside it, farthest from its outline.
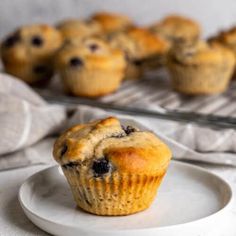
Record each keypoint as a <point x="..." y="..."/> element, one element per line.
<point x="153" y="96"/>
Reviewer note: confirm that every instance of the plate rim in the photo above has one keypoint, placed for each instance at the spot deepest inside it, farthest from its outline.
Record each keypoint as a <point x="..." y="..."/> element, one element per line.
<point x="176" y="162"/>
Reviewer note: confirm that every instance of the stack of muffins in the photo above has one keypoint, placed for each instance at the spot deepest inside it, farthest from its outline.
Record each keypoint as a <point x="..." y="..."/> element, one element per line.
<point x="93" y="56"/>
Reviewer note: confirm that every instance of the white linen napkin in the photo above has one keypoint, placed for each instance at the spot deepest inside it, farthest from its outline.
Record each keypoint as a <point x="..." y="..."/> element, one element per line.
<point x="28" y="123"/>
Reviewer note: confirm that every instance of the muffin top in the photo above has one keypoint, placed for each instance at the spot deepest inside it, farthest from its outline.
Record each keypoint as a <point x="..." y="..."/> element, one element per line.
<point x="74" y="28"/>
<point x="201" y="53"/>
<point x="29" y="43"/>
<point x="90" y="53"/>
<point x="138" y="43"/>
<point x="177" y="28"/>
<point x="227" y="38"/>
<point x="111" y="22"/>
<point x="104" y="145"/>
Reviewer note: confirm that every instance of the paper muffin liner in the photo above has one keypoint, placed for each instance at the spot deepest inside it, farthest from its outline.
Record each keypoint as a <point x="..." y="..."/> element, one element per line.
<point x="91" y="83"/>
<point x="200" y="79"/>
<point x="117" y="194"/>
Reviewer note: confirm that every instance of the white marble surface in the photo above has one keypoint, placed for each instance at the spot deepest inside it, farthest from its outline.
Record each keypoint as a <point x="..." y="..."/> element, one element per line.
<point x="14" y="222"/>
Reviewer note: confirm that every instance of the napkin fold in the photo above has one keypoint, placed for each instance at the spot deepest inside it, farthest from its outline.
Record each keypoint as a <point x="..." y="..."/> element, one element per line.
<point x="28" y="126"/>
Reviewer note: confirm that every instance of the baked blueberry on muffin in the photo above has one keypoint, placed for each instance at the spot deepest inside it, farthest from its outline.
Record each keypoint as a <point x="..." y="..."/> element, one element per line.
<point x="201" y="68"/>
<point x="111" y="22"/>
<point x="90" y="67"/>
<point x="177" y="29"/>
<point x="27" y="53"/>
<point x="143" y="50"/>
<point x="74" y="28"/>
<point x="112" y="170"/>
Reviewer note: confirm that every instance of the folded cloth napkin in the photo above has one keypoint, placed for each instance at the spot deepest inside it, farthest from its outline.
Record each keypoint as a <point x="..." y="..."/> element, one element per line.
<point x="28" y="126"/>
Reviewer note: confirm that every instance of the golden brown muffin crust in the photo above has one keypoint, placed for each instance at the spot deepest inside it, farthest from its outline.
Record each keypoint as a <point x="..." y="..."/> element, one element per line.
<point x="226" y="38"/>
<point x="111" y="22"/>
<point x="95" y="53"/>
<point x="90" y="67"/>
<point x="139" y="43"/>
<point x="137" y="151"/>
<point x="24" y="49"/>
<point x="176" y="27"/>
<point x="72" y="28"/>
<point x="27" y="53"/>
<point x="202" y="53"/>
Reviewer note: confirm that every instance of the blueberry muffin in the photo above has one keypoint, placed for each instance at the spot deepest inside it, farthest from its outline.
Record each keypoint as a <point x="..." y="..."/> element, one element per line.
<point x="201" y="68"/>
<point x="226" y="38"/>
<point x="112" y="170"/>
<point x="74" y="28"/>
<point x="27" y="53"/>
<point x="177" y="29"/>
<point x="111" y="22"/>
<point x="143" y="50"/>
<point x="90" y="67"/>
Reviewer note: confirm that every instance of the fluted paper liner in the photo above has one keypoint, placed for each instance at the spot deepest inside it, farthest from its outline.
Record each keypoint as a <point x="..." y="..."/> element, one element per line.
<point x="117" y="194"/>
<point x="202" y="79"/>
<point x="91" y="83"/>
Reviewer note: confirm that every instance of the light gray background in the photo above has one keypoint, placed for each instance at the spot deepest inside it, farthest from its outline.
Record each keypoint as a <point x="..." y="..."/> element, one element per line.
<point x="212" y="14"/>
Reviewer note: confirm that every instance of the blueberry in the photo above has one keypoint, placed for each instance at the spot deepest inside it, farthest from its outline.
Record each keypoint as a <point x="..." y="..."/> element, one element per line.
<point x="37" y="41"/>
<point x="101" y="166"/>
<point x="137" y="62"/>
<point x="93" y="47"/>
<point x="76" y="62"/>
<point x="129" y="129"/>
<point x="118" y="136"/>
<point x="11" y="40"/>
<point x="40" y="69"/>
<point x="64" y="149"/>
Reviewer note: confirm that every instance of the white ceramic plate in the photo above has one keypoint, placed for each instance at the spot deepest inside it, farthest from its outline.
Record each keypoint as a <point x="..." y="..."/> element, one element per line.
<point x="191" y="201"/>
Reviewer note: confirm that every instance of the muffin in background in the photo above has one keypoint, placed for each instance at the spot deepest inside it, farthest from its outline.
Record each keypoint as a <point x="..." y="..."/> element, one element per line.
<point x="201" y="68"/>
<point x="27" y="53"/>
<point x="112" y="170"/>
<point x="177" y="29"/>
<point x="143" y="50"/>
<point x="90" y="67"/>
<point x="226" y="38"/>
<point x="112" y="22"/>
<point x="79" y="29"/>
